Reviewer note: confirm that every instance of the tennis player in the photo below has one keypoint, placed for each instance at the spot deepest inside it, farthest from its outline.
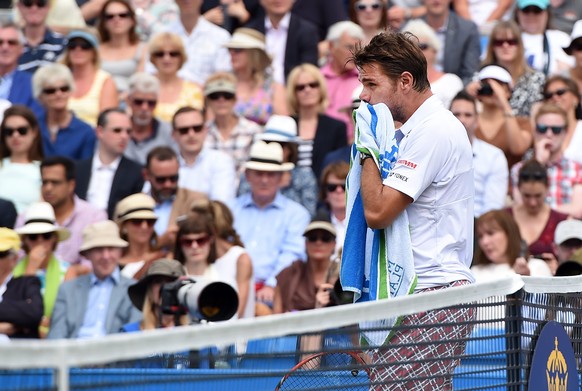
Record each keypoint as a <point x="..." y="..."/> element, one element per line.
<point x="432" y="180"/>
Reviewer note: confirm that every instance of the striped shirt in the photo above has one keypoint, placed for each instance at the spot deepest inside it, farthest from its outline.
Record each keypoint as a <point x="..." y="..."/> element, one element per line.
<point x="47" y="52"/>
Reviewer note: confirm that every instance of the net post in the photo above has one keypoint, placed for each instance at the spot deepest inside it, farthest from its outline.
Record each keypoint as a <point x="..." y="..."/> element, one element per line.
<point x="513" y="320"/>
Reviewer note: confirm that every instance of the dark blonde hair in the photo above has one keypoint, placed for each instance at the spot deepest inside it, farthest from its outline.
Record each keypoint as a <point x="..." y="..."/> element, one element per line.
<point x="505" y="28"/>
<point x="35" y="153"/>
<point x="101" y="24"/>
<point x="161" y="41"/>
<point x="551" y="108"/>
<point x="223" y="219"/>
<point x="96" y="59"/>
<point x="500" y="220"/>
<point x="314" y="72"/>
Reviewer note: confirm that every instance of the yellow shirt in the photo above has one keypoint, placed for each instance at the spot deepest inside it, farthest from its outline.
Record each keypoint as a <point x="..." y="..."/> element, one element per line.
<point x="190" y="95"/>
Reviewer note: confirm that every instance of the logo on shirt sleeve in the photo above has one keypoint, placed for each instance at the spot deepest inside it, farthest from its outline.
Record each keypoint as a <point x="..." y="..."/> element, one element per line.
<point x="407" y="163"/>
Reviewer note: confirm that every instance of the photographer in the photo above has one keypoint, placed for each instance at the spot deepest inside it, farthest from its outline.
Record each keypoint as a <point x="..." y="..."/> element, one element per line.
<point x="308" y="285"/>
<point x="497" y="123"/>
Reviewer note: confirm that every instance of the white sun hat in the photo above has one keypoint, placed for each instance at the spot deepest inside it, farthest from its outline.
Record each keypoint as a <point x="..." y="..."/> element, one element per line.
<point x="39" y="218"/>
<point x="267" y="157"/>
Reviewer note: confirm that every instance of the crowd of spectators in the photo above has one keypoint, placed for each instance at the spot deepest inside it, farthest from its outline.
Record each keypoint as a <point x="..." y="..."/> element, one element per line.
<point x="148" y="140"/>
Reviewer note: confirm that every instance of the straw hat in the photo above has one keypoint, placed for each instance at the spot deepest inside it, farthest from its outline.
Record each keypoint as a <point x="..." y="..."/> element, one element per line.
<point x="161" y="267"/>
<point x="247" y="38"/>
<point x="9" y="240"/>
<point x="135" y="206"/>
<point x="280" y="128"/>
<point x="320" y="221"/>
<point x="267" y="157"/>
<point x="39" y="218"/>
<point x="101" y="234"/>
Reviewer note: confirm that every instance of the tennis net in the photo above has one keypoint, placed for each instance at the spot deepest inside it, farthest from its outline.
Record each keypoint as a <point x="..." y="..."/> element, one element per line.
<point x="319" y="349"/>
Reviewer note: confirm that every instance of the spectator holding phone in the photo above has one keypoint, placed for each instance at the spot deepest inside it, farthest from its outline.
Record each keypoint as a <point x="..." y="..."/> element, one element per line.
<point x="497" y="123"/>
<point x="500" y="252"/>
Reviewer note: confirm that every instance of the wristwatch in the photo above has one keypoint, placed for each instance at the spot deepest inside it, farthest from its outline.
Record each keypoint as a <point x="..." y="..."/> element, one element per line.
<point x="363" y="157"/>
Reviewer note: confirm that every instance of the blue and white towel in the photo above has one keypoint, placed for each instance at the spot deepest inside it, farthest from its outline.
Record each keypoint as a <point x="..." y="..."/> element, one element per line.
<point x="376" y="264"/>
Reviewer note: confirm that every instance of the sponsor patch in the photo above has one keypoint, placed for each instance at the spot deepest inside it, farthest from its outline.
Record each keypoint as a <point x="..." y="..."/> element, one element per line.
<point x="407" y="163"/>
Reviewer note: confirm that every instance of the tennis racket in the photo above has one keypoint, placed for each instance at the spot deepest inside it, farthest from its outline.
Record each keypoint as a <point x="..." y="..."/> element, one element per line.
<point x="328" y="371"/>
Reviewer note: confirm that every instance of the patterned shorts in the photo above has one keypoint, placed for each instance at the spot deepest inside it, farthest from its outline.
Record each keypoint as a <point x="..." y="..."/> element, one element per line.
<point x="424" y="354"/>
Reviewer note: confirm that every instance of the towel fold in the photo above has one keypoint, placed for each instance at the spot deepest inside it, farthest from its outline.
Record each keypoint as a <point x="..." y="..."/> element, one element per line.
<point x="376" y="264"/>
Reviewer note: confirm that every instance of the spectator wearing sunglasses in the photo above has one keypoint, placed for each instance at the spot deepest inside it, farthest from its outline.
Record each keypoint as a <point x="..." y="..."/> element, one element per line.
<point x="228" y="132"/>
<point x="16" y="85"/>
<point x="543" y="45"/>
<point x="168" y="55"/>
<point x="505" y="48"/>
<point x="108" y="176"/>
<point x="299" y="283"/>
<point x="95" y="89"/>
<point x="135" y="217"/>
<point x="461" y="43"/>
<point x="536" y="220"/>
<point x="332" y="199"/>
<point x="371" y="16"/>
<point x="564" y="92"/>
<point x="121" y="51"/>
<point x="162" y="173"/>
<point x="148" y="131"/>
<point x="20" y="156"/>
<point x="202" y="169"/>
<point x="63" y="134"/>
<point x="42" y="45"/>
<point x="564" y="175"/>
<point x="40" y="237"/>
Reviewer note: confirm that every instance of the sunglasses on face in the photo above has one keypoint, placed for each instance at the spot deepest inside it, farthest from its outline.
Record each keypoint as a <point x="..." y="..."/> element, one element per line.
<point x="324" y="237"/>
<point x="9" y="132"/>
<point x="300" y="87"/>
<point x="331" y="187"/>
<point x="363" y="7"/>
<point x="139" y="222"/>
<point x="576" y="45"/>
<point x="82" y="44"/>
<point x="160" y="180"/>
<point x="500" y="42"/>
<point x="543" y="129"/>
<point x="151" y="103"/>
<point x="162" y="53"/>
<point x="235" y="50"/>
<point x="9" y="42"/>
<point x="121" y="15"/>
<point x="550" y="94"/>
<point x="218" y="95"/>
<point x="423" y="46"/>
<point x="44" y="236"/>
<point x="52" y="90"/>
<point x="30" y="3"/>
<point x="532" y="10"/>
<point x="4" y="254"/>
<point x="184" y="130"/>
<point x="187" y="242"/>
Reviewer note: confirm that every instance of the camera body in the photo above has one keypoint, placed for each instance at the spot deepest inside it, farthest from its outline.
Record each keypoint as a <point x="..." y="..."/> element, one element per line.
<point x="202" y="299"/>
<point x="485" y="89"/>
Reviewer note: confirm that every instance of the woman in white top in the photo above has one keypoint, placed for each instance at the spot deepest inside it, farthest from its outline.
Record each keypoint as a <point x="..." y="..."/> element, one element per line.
<point x="371" y="15"/>
<point x="197" y="249"/>
<point x="444" y="85"/>
<point x="20" y="156"/>
<point x="233" y="264"/>
<point x="501" y="250"/>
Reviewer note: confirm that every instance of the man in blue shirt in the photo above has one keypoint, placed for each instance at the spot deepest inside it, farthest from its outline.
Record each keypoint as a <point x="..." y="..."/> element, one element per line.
<point x="270" y="225"/>
<point x="42" y="46"/>
<point x="95" y="304"/>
